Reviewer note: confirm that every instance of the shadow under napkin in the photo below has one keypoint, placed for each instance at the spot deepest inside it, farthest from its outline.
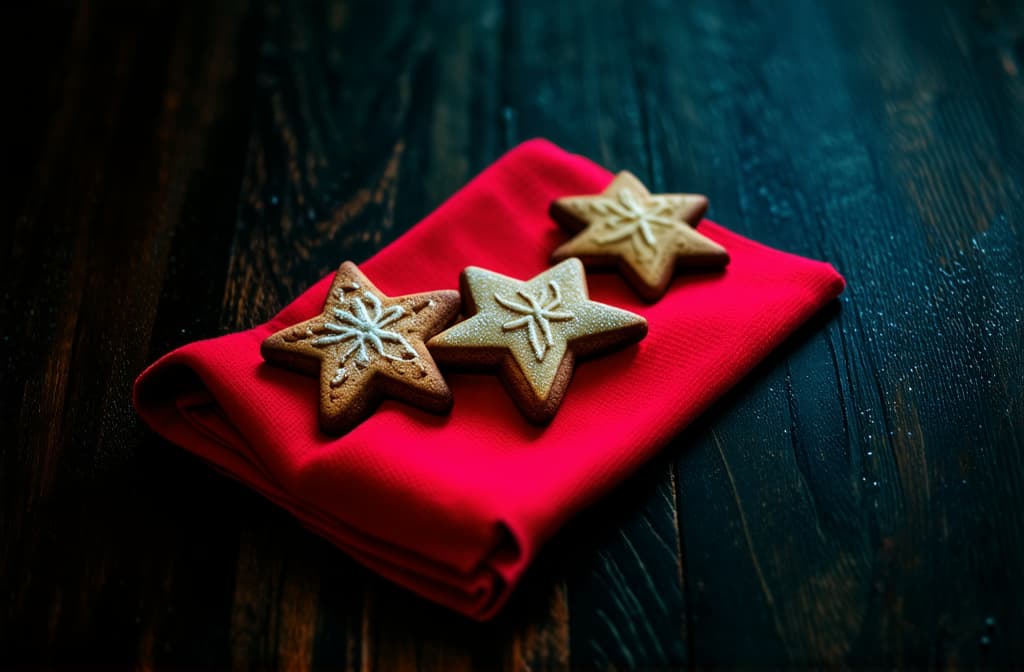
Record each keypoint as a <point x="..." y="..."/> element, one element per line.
<point x="456" y="508"/>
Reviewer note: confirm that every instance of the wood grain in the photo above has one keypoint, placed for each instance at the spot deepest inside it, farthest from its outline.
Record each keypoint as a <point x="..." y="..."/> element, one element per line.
<point x="175" y="171"/>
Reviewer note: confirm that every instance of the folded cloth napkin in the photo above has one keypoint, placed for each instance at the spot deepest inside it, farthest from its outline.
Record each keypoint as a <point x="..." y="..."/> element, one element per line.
<point x="456" y="507"/>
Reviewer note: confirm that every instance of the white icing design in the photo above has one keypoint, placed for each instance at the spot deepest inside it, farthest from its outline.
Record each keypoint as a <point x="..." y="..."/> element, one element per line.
<point x="536" y="315"/>
<point x="363" y="325"/>
<point x="628" y="219"/>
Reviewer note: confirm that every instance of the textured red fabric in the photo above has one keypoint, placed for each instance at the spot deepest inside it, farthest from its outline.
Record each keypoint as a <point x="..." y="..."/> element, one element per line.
<point x="456" y="507"/>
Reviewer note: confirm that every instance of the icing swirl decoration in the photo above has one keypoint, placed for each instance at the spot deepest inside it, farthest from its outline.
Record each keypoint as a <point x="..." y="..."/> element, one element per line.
<point x="363" y="324"/>
<point x="536" y="314"/>
<point x="645" y="236"/>
<point x="628" y="219"/>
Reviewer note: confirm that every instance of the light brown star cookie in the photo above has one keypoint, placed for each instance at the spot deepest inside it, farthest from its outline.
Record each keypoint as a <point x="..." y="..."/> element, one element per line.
<point x="647" y="237"/>
<point x="366" y="347"/>
<point x="533" y="331"/>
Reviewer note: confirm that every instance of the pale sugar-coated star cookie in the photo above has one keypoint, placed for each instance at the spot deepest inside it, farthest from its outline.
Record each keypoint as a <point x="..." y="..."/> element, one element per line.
<point x="533" y="332"/>
<point x="646" y="237"/>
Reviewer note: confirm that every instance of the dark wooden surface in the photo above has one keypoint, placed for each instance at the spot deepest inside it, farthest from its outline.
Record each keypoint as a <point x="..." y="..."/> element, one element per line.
<point x="176" y="170"/>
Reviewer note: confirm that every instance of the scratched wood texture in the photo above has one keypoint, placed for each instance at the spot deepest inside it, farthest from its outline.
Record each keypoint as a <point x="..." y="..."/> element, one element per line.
<point x="176" y="170"/>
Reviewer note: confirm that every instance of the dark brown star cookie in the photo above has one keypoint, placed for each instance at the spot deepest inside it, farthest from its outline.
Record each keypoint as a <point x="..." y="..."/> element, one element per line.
<point x="533" y="331"/>
<point x="647" y="237"/>
<point x="366" y="347"/>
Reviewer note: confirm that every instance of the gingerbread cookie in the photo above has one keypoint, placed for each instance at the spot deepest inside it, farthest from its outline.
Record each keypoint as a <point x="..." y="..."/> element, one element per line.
<point x="645" y="236"/>
<point x="366" y="347"/>
<point x="533" y="331"/>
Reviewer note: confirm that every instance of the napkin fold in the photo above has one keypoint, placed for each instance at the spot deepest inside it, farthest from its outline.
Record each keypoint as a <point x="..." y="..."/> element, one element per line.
<point x="456" y="507"/>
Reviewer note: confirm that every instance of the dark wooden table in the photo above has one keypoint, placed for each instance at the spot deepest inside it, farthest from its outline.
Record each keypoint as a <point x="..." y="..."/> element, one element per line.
<point x="176" y="171"/>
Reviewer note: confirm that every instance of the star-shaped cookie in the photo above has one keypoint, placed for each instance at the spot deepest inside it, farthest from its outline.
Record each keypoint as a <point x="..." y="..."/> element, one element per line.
<point x="365" y="347"/>
<point x="533" y="331"/>
<point x="645" y="236"/>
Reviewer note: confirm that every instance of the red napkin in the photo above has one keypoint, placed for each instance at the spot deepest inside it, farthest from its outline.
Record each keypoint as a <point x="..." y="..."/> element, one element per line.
<point x="456" y="507"/>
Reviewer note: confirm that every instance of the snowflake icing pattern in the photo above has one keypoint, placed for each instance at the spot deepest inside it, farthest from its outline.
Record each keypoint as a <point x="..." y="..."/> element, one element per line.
<point x="628" y="219"/>
<point x="536" y="315"/>
<point x="363" y="325"/>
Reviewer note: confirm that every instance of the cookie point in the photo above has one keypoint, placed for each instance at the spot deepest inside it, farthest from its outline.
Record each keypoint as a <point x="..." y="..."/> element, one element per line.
<point x="266" y="346"/>
<point x="558" y="255"/>
<point x="450" y="294"/>
<point x="568" y="261"/>
<point x="720" y="255"/>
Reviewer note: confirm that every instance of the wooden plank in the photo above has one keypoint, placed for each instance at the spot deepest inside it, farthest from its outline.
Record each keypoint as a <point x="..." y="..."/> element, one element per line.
<point x="950" y="362"/>
<point x="571" y="76"/>
<point x="130" y="101"/>
<point x="832" y="554"/>
<point x="762" y="490"/>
